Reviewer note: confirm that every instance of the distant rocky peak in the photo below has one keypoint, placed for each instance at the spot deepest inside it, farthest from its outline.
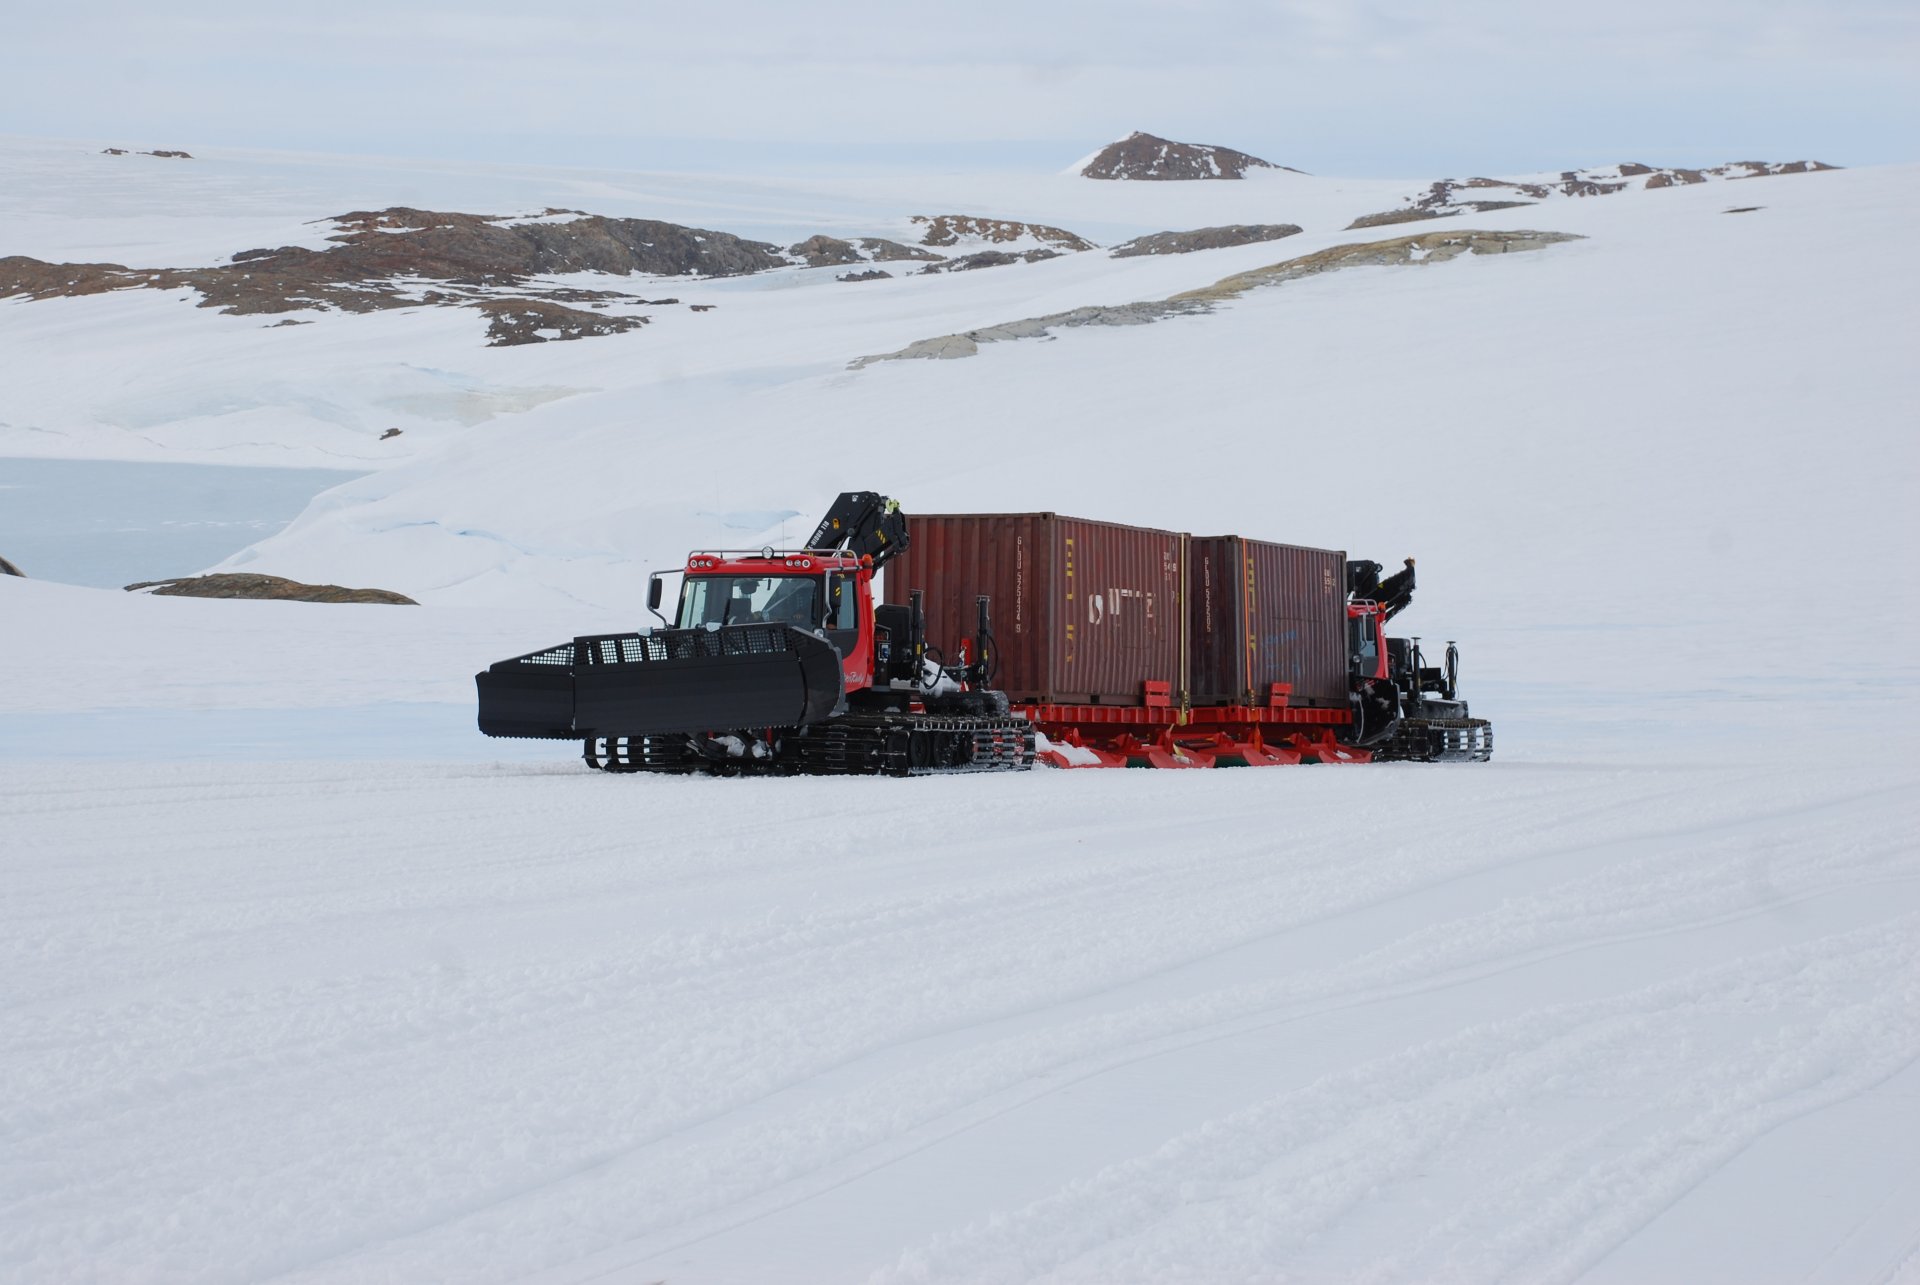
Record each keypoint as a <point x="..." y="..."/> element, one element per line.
<point x="1145" y="156"/>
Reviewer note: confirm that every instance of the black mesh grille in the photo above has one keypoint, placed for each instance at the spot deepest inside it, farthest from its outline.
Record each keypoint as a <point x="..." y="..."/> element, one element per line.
<point x="684" y="644"/>
<point x="561" y="655"/>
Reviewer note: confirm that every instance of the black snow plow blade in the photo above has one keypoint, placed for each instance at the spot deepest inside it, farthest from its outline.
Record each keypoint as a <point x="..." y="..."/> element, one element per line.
<point x="671" y="680"/>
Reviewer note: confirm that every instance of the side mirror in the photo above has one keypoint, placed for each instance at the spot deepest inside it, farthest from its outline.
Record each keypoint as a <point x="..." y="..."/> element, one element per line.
<point x="653" y="596"/>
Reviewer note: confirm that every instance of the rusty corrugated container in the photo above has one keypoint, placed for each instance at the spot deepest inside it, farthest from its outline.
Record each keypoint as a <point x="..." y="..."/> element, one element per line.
<point x="1261" y="614"/>
<point x="1084" y="612"/>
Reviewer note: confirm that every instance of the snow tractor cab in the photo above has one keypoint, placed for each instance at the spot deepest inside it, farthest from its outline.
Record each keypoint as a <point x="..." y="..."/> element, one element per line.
<point x="774" y="661"/>
<point x="1403" y="708"/>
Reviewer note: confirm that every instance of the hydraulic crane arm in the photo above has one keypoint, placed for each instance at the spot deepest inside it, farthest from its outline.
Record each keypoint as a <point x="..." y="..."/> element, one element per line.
<point x="1396" y="591"/>
<point x="863" y="523"/>
<point x="1393" y="593"/>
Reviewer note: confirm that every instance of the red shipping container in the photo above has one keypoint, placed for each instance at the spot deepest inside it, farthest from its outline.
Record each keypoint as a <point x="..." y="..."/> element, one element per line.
<point x="1084" y="612"/>
<point x="1261" y="614"/>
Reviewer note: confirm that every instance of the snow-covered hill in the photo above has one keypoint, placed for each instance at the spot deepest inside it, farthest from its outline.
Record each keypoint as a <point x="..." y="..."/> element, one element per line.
<point x="300" y="979"/>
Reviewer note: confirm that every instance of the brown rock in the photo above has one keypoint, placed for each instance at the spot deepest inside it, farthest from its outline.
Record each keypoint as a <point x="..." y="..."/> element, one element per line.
<point x="829" y="252"/>
<point x="871" y="274"/>
<point x="469" y="247"/>
<point x="1430" y="247"/>
<point x="251" y="585"/>
<point x="881" y="250"/>
<point x="8" y="569"/>
<point x="536" y="321"/>
<point x="989" y="259"/>
<point x="1387" y="217"/>
<point x="37" y="279"/>
<point x="948" y="229"/>
<point x="1443" y="197"/>
<point x="1204" y="239"/>
<point x="969" y="262"/>
<point x="1146" y="156"/>
<point x="1763" y="169"/>
<point x="825" y="252"/>
<point x="382" y="257"/>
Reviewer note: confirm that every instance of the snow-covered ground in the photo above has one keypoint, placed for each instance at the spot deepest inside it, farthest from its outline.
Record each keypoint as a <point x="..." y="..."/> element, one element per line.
<point x="301" y="980"/>
<point x="372" y="1021"/>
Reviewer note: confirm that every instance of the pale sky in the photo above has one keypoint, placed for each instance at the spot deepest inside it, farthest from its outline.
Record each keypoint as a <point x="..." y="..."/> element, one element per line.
<point x="1392" y="88"/>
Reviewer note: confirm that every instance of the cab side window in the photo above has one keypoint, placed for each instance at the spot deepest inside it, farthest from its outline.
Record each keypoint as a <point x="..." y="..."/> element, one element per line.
<point x="843" y="603"/>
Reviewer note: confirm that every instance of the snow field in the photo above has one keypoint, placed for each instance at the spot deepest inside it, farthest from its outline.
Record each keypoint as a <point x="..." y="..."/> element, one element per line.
<point x="349" y="1022"/>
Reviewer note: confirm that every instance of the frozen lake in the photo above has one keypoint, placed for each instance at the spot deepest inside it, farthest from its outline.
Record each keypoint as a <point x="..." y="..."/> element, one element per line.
<point x="107" y="523"/>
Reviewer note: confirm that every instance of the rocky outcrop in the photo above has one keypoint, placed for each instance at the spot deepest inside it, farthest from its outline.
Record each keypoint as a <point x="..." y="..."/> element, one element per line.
<point x="1452" y="196"/>
<point x="989" y="259"/>
<point x="402" y="257"/>
<point x="1764" y="169"/>
<point x="1204" y="239"/>
<point x="1388" y="217"/>
<point x="881" y="250"/>
<point x="37" y="279"/>
<point x="830" y="252"/>
<point x="121" y="151"/>
<point x="825" y="252"/>
<point x="1431" y="247"/>
<point x="967" y="343"/>
<point x="958" y="229"/>
<point x="252" y="585"/>
<point x="871" y="274"/>
<point x="539" y="321"/>
<point x="480" y="250"/>
<point x="1144" y="156"/>
<point x="939" y="348"/>
<point x="8" y="569"/>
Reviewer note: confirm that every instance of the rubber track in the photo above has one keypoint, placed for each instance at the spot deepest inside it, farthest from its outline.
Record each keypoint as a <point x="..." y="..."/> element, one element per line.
<point x="915" y="745"/>
<point x="860" y="745"/>
<point x="1437" y="740"/>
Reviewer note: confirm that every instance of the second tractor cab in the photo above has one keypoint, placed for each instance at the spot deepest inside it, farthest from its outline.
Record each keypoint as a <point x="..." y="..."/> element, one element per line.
<point x="1402" y="707"/>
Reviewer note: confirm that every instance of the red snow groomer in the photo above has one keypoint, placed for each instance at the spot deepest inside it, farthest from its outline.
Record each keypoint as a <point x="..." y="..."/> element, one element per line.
<point x="1122" y="646"/>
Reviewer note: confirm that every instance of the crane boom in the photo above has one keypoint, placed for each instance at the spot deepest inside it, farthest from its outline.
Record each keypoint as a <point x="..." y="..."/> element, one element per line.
<point x="864" y="523"/>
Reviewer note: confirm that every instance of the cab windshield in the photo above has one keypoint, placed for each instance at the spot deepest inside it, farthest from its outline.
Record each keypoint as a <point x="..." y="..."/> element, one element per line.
<point x="748" y="600"/>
